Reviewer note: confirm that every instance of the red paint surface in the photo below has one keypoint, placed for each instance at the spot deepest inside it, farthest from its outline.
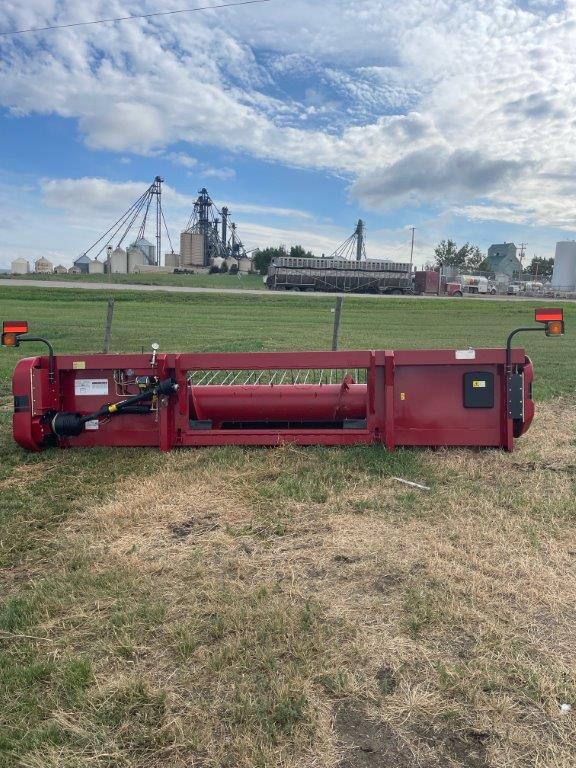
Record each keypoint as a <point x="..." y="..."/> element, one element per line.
<point x="413" y="397"/>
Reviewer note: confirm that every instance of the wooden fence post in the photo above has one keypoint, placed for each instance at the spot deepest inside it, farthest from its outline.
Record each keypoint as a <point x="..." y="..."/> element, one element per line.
<point x="108" y="329"/>
<point x="337" y="316"/>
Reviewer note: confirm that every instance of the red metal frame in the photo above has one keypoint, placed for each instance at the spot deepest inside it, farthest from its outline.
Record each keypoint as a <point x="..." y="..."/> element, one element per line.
<point x="412" y="398"/>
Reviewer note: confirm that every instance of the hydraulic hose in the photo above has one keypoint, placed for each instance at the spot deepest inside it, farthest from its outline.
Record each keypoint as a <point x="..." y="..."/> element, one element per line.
<point x="73" y="424"/>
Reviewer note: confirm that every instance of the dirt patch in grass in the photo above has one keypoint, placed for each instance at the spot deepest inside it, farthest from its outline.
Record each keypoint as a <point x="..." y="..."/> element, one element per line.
<point x="300" y="608"/>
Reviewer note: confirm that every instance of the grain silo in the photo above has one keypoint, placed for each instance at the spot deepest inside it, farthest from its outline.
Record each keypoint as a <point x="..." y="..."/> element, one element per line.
<point x="96" y="267"/>
<point x="147" y="249"/>
<point x="20" y="266"/>
<point x="136" y="257"/>
<point x="82" y="263"/>
<point x="172" y="260"/>
<point x="192" y="249"/>
<point x="43" y="266"/>
<point x="118" y="261"/>
<point x="245" y="266"/>
<point x="565" y="265"/>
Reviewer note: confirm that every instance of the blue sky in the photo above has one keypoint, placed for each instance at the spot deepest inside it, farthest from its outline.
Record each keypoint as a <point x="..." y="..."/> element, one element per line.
<point x="456" y="118"/>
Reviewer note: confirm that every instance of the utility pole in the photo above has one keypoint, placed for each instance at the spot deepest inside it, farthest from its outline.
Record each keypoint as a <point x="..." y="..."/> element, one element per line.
<point x="522" y="251"/>
<point x="412" y="249"/>
<point x="360" y="240"/>
<point x="225" y="227"/>
<point x="157" y="190"/>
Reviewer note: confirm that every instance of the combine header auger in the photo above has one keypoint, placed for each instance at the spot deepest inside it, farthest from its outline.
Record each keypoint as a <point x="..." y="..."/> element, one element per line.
<point x="470" y="397"/>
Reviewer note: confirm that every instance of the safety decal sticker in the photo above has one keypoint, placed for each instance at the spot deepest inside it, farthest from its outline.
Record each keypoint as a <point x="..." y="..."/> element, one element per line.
<point x="87" y="387"/>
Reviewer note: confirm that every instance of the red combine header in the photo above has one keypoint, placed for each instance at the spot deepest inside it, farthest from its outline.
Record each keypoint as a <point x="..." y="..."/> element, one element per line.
<point x="468" y="397"/>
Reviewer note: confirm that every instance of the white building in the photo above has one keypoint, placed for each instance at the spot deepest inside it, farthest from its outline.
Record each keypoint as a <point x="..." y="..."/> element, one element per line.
<point x="20" y="266"/>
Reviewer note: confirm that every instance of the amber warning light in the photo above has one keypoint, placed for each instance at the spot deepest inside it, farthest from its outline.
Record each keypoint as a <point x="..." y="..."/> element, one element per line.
<point x="553" y="319"/>
<point x="11" y="329"/>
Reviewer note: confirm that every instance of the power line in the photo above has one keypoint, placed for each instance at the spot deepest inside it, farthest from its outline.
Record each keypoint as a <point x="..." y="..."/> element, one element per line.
<point x="128" y="18"/>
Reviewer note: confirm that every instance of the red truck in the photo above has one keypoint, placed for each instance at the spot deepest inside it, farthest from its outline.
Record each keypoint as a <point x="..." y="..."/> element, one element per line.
<point x="430" y="283"/>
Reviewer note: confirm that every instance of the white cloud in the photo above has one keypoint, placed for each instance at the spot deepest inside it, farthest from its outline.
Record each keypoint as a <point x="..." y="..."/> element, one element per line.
<point x="100" y="197"/>
<point x="181" y="158"/>
<point x="223" y="174"/>
<point x="466" y="105"/>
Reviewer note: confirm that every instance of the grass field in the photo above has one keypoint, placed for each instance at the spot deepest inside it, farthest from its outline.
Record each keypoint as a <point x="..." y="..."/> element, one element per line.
<point x="295" y="607"/>
<point x="252" y="282"/>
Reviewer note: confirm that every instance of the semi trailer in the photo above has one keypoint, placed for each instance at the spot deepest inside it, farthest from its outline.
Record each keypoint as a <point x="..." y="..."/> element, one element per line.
<point x="338" y="275"/>
<point x="368" y="276"/>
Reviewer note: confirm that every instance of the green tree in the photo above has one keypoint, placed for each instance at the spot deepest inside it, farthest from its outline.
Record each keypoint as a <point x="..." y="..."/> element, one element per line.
<point x="541" y="268"/>
<point x="264" y="256"/>
<point x="298" y="252"/>
<point x="448" y="254"/>
<point x="471" y="256"/>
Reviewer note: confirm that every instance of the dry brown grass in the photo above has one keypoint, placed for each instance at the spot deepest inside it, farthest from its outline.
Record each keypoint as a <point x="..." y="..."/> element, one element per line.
<point x="443" y="621"/>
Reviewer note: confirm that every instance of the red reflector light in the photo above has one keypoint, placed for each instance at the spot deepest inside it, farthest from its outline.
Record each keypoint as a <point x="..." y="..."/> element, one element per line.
<point x="549" y="315"/>
<point x="14" y="326"/>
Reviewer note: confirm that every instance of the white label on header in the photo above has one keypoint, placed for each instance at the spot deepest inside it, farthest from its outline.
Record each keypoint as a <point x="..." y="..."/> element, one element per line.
<point x="88" y="387"/>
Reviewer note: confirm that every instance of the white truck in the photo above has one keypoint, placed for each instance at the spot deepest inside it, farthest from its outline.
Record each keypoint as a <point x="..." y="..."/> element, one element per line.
<point x="476" y="284"/>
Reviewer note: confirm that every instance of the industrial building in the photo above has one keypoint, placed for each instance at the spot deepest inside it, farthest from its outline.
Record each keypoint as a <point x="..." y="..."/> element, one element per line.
<point x="564" y="276"/>
<point x="208" y="241"/>
<point x="504" y="261"/>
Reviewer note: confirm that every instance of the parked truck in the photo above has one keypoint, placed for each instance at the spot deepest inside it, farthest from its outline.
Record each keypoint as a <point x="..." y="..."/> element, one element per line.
<point x="288" y="273"/>
<point x="476" y="284"/>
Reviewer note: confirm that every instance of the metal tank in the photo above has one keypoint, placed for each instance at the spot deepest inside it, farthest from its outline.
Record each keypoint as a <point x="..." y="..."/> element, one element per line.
<point x="20" y="266"/>
<point x="119" y="262"/>
<point x="172" y="260"/>
<point x="96" y="267"/>
<point x="43" y="266"/>
<point x="565" y="265"/>
<point x="136" y="258"/>
<point x="147" y="249"/>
